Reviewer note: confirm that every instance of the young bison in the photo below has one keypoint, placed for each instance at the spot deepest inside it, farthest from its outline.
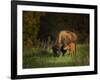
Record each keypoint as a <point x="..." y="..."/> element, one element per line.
<point x="71" y="48"/>
<point x="63" y="38"/>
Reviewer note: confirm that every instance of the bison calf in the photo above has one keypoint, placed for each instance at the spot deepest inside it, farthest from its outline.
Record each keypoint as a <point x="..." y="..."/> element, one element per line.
<point x="71" y="48"/>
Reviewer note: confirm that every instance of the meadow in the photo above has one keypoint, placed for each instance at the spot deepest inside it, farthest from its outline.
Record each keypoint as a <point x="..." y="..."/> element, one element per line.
<point x="43" y="58"/>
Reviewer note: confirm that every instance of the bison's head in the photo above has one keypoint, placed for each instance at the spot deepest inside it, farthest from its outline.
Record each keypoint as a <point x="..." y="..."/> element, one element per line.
<point x="59" y="50"/>
<point x="56" y="50"/>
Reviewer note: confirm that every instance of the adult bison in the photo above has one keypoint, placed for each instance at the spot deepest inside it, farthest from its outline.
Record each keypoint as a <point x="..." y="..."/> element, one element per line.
<point x="63" y="39"/>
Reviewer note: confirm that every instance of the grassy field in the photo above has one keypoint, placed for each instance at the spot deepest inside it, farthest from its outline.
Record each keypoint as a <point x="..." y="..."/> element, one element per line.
<point x="39" y="58"/>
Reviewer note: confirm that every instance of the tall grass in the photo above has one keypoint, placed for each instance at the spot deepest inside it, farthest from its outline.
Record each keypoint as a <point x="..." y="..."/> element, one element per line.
<point x="41" y="57"/>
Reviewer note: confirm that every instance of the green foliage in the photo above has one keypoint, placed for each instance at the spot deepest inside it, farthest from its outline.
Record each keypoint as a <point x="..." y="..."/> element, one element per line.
<point x="31" y="24"/>
<point x="38" y="26"/>
<point x="39" y="58"/>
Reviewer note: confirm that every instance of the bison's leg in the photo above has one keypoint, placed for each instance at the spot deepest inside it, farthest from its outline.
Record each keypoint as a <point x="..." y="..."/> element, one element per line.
<point x="63" y="51"/>
<point x="70" y="52"/>
<point x="75" y="49"/>
<point x="73" y="52"/>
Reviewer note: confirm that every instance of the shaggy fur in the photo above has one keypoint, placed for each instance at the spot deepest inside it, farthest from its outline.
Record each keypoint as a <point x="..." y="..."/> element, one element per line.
<point x="63" y="38"/>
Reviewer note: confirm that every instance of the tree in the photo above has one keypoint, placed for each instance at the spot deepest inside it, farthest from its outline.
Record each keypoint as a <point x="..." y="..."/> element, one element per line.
<point x="31" y="24"/>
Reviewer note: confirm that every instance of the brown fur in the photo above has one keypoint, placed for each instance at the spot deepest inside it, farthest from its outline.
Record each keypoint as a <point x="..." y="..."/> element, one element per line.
<point x="71" y="48"/>
<point x="65" y="39"/>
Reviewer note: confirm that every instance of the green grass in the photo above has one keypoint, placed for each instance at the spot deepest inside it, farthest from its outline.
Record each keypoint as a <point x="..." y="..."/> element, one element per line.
<point x="39" y="58"/>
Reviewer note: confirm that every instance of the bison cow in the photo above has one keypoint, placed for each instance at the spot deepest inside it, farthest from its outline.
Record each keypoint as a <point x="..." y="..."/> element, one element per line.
<point x="63" y="39"/>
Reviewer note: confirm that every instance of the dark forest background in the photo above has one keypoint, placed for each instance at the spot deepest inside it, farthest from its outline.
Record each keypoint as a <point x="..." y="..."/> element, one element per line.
<point x="40" y="28"/>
